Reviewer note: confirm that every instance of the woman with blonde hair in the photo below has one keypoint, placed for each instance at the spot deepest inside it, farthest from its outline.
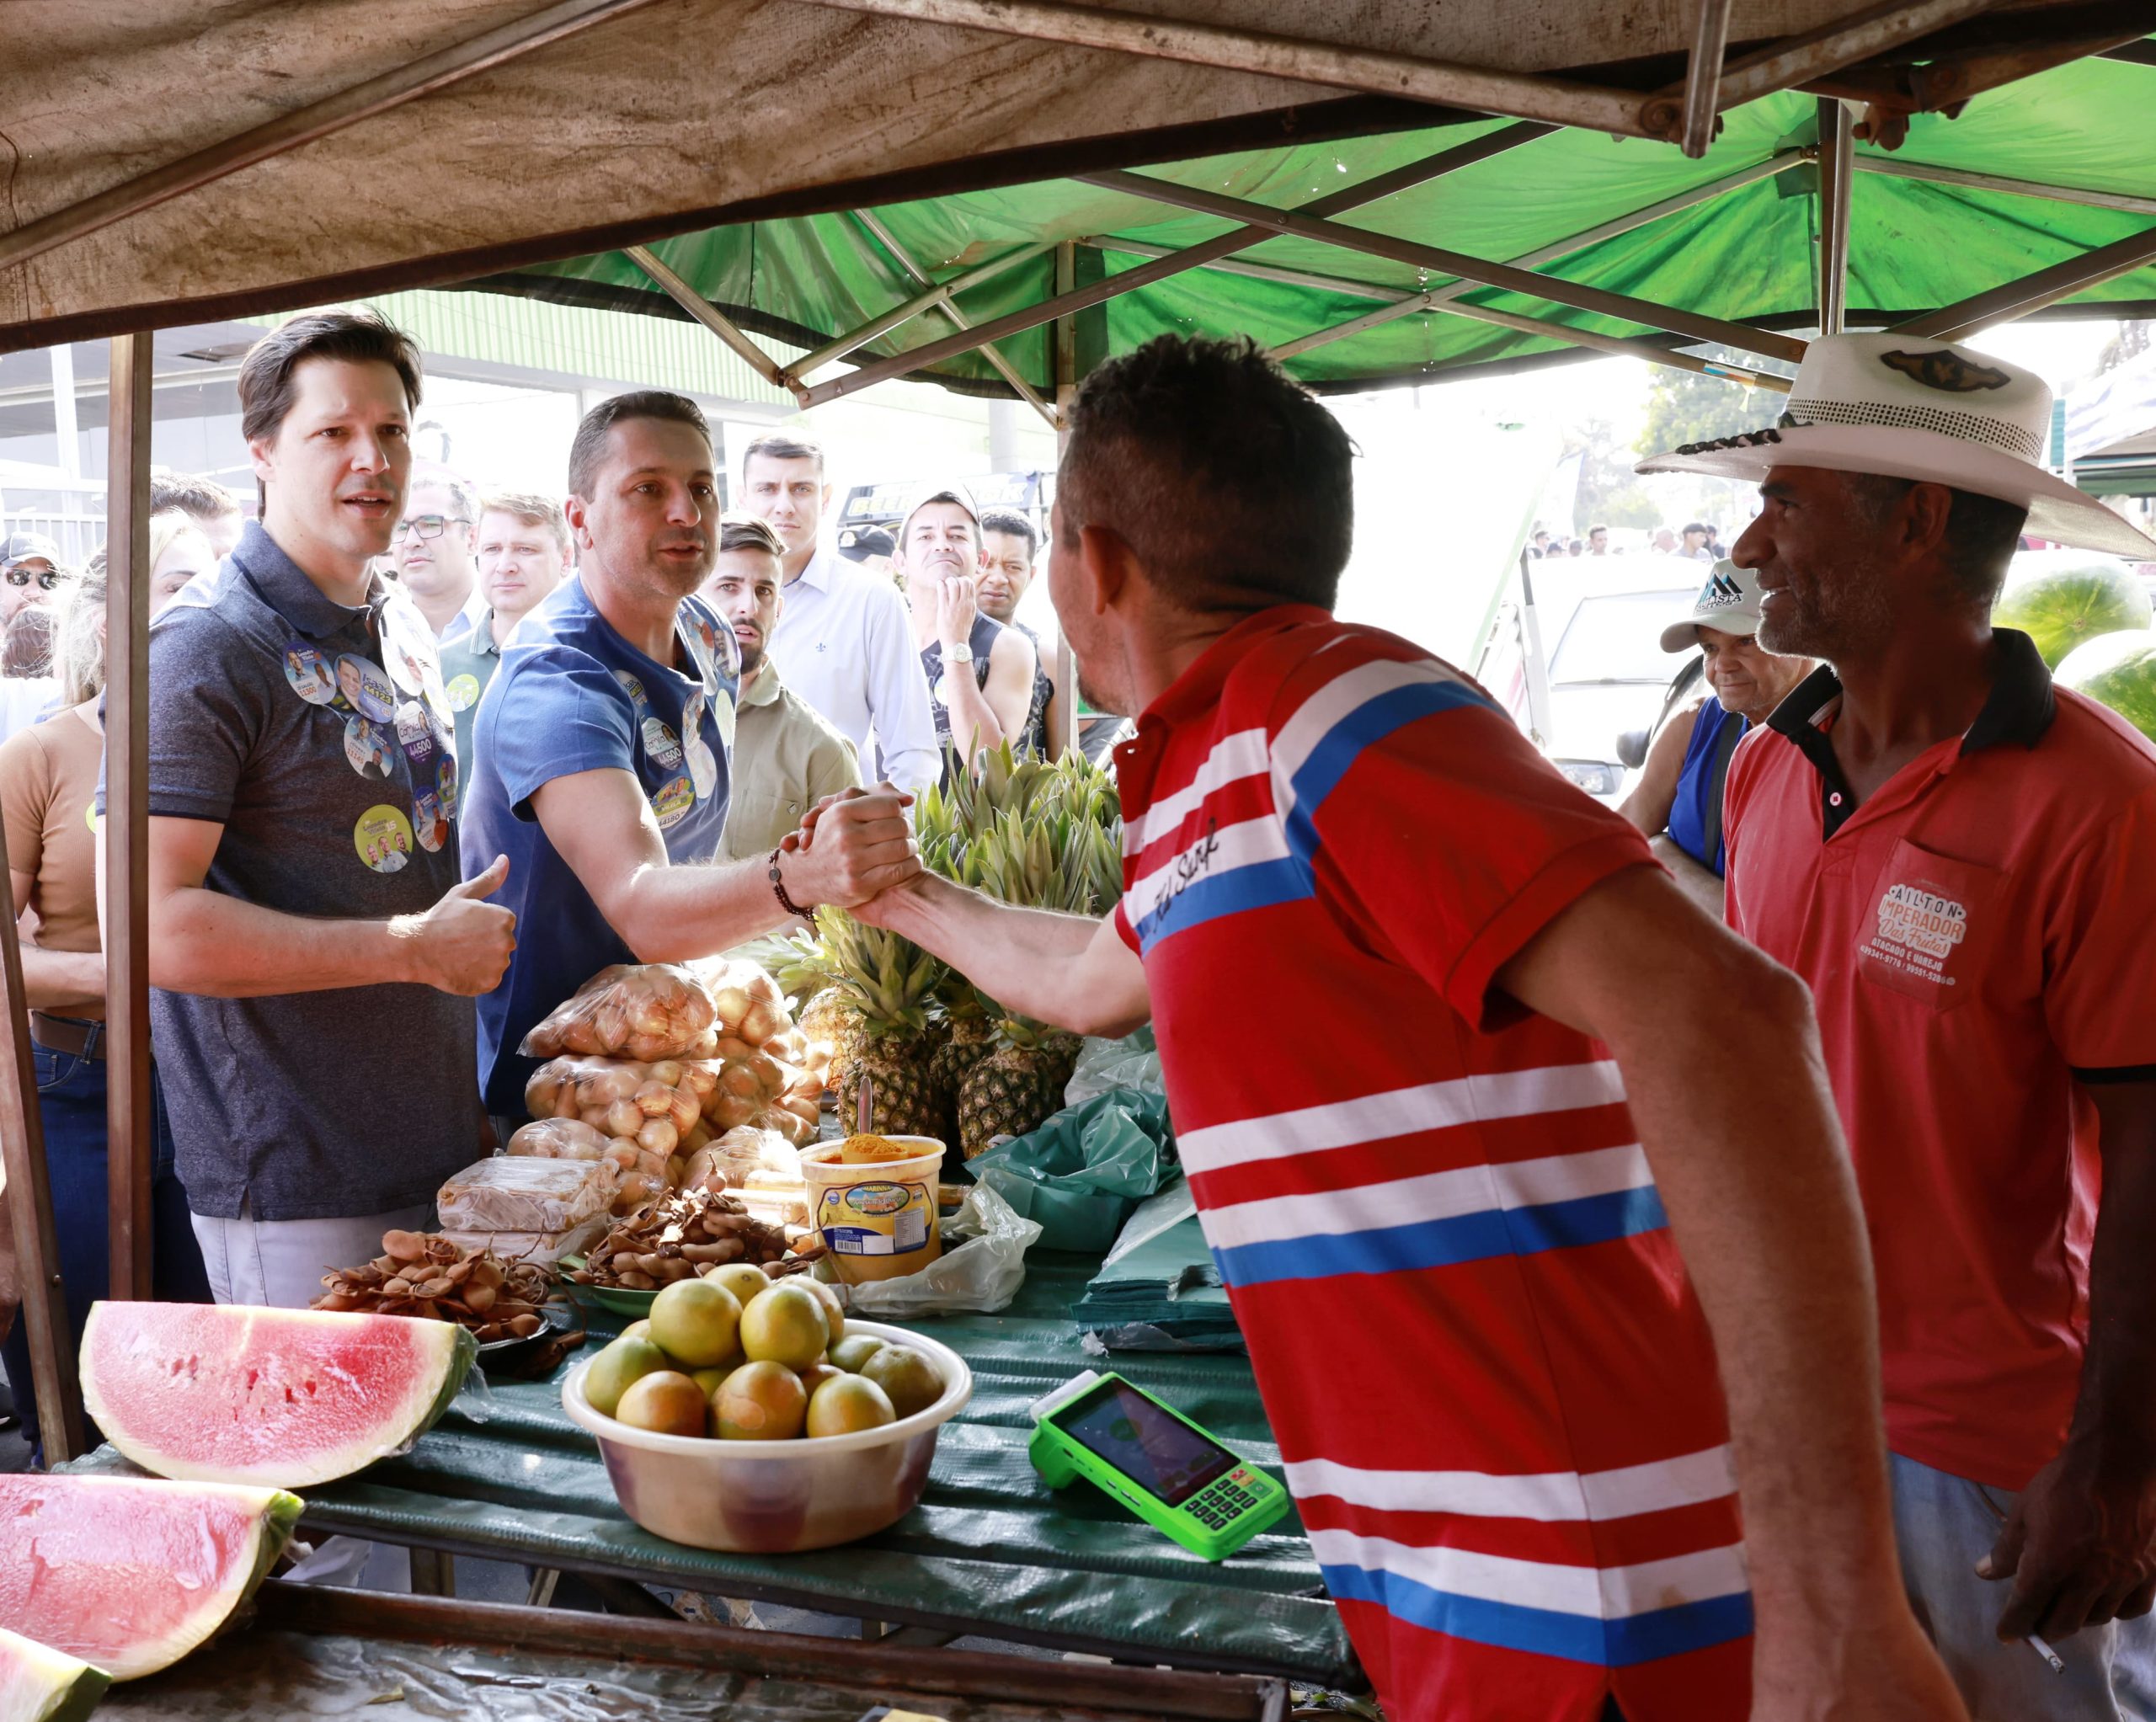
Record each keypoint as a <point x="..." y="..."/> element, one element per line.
<point x="48" y="785"/>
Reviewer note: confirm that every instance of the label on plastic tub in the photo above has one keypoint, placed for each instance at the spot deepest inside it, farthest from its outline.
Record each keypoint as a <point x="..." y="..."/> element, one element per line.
<point x="875" y="1218"/>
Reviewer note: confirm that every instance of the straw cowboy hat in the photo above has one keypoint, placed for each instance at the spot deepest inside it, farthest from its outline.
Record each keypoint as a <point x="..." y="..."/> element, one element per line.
<point x="1904" y="407"/>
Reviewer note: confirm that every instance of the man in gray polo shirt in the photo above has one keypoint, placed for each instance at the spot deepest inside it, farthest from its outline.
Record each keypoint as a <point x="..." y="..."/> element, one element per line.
<point x="312" y="951"/>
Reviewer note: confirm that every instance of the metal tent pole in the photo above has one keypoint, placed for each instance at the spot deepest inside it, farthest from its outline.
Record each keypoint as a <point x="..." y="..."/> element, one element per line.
<point x="712" y="319"/>
<point x="1837" y="146"/>
<point x="126" y="924"/>
<point x="2032" y="292"/>
<point x="1895" y="167"/>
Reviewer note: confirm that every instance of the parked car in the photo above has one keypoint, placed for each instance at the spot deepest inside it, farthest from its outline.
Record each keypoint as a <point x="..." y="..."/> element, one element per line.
<point x="1597" y="622"/>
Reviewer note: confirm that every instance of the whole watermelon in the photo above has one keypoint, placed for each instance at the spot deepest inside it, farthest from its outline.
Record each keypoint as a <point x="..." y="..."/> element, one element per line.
<point x="2061" y="598"/>
<point x="2118" y="670"/>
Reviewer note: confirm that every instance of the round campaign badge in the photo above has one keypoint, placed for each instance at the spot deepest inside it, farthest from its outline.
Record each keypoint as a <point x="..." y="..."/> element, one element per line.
<point x="422" y="738"/>
<point x="463" y="692"/>
<point x="365" y="688"/>
<point x="383" y="838"/>
<point x="630" y="686"/>
<point x="658" y="742"/>
<point x="311" y="675"/>
<point x="445" y="785"/>
<point x="90" y="817"/>
<point x="428" y="821"/>
<point x="721" y="716"/>
<point x="366" y="745"/>
<point x="936" y="692"/>
<point x="672" y="801"/>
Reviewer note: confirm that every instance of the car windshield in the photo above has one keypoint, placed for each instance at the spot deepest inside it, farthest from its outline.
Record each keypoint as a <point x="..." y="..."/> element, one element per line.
<point x="1618" y="639"/>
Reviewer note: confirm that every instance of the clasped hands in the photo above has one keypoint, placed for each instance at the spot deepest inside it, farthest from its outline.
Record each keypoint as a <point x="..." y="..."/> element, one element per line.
<point x="851" y="848"/>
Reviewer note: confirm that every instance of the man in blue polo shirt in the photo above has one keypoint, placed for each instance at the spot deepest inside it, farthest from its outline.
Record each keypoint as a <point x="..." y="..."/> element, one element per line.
<point x="600" y="748"/>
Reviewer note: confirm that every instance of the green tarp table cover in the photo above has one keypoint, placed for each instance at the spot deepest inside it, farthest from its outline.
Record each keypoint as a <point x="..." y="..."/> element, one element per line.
<point x="991" y="1547"/>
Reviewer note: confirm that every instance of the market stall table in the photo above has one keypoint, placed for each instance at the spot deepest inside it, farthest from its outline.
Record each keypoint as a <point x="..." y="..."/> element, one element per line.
<point x="991" y="1549"/>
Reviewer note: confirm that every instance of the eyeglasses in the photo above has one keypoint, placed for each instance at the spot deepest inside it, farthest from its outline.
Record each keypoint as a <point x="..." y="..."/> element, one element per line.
<point x="426" y="526"/>
<point x="47" y="579"/>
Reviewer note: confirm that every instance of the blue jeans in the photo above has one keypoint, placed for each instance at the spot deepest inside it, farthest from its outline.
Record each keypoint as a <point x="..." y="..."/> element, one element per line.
<point x="71" y="1096"/>
<point x="1944" y="1525"/>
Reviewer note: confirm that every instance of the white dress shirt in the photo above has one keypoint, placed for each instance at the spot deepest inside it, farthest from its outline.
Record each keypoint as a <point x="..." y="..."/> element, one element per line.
<point x="845" y="644"/>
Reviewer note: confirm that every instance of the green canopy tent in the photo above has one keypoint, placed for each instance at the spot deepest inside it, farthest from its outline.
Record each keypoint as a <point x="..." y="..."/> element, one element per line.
<point x="2038" y="196"/>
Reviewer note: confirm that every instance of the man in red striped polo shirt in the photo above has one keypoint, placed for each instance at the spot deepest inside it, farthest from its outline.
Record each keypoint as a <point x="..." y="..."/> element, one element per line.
<point x="1456" y="1073"/>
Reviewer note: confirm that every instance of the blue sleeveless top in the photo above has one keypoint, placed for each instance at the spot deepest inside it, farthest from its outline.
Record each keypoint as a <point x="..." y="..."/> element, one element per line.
<point x="1696" y="782"/>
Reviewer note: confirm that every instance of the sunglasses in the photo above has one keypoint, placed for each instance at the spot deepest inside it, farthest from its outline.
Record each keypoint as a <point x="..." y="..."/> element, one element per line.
<point x="47" y="579"/>
<point x="425" y="526"/>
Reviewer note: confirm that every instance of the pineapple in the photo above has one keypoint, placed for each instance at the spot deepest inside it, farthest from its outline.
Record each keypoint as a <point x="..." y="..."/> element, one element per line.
<point x="886" y="982"/>
<point x="1016" y="1088"/>
<point x="832" y="1021"/>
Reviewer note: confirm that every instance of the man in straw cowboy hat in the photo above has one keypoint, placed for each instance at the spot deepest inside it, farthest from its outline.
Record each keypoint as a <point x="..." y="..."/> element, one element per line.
<point x="1958" y="856"/>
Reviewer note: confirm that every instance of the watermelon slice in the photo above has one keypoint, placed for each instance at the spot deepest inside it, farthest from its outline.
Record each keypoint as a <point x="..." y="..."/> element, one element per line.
<point x="130" y="1574"/>
<point x="40" y="1685"/>
<point x="229" y="1392"/>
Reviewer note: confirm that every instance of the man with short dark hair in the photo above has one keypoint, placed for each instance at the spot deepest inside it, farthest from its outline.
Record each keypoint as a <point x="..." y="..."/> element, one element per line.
<point x="786" y="757"/>
<point x="433" y="546"/>
<point x="1598" y="540"/>
<point x="1453" y="1193"/>
<point x="600" y="760"/>
<point x="1957" y="855"/>
<point x="521" y="553"/>
<point x="204" y="501"/>
<point x="1694" y="545"/>
<point x="1009" y="544"/>
<point x="844" y="643"/>
<point x="980" y="673"/>
<point x="312" y="946"/>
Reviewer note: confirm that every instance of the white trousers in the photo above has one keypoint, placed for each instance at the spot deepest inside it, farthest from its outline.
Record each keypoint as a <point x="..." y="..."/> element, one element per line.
<point x="281" y="1262"/>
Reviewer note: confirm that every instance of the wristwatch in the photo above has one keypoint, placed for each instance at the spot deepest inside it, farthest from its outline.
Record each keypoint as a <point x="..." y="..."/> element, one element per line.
<point x="959" y="652"/>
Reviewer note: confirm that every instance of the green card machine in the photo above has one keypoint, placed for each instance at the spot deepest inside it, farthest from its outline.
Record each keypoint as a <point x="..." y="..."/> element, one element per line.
<point x="1154" y="1460"/>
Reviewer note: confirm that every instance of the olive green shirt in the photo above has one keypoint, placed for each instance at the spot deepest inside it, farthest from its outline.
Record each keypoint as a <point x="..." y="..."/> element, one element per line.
<point x="786" y="759"/>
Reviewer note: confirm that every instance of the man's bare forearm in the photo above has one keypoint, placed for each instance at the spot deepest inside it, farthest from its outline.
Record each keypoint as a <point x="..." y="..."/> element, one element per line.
<point x="2114" y="1416"/>
<point x="216" y="946"/>
<point x="63" y="980"/>
<point x="668" y="913"/>
<point x="1032" y="961"/>
<point x="1733" y="1109"/>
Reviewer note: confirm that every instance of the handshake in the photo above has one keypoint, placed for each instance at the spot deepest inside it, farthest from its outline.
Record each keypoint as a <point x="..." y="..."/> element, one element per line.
<point x="851" y="848"/>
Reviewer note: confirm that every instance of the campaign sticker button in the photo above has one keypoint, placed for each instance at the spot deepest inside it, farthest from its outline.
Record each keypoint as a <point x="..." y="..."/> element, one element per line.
<point x="367" y="747"/>
<point x="428" y="821"/>
<point x="463" y="692"/>
<point x="422" y="742"/>
<point x="672" y="801"/>
<point x="365" y="688"/>
<point x="445" y="785"/>
<point x="383" y="838"/>
<point x="659" y="743"/>
<point x="312" y="677"/>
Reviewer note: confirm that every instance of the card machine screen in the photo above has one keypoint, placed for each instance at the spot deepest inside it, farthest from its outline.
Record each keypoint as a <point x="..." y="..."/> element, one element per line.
<point x="1158" y="1450"/>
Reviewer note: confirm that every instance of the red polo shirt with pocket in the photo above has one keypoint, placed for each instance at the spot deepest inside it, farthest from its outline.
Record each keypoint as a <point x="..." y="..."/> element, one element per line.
<point x="1978" y="936"/>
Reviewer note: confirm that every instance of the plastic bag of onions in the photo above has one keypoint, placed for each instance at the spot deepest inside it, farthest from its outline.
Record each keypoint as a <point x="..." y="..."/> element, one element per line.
<point x="649" y="1115"/>
<point x="750" y="1006"/>
<point x="644" y="1011"/>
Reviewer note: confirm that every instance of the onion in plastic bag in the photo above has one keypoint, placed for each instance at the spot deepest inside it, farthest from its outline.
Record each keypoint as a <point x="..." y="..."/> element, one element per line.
<point x="631" y="1011"/>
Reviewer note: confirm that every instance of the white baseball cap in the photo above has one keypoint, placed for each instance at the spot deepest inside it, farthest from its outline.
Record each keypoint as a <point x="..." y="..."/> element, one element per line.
<point x="1729" y="601"/>
<point x="1906" y="407"/>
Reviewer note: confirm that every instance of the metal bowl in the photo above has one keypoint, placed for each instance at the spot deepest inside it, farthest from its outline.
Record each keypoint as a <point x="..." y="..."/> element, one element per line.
<point x="775" y="1497"/>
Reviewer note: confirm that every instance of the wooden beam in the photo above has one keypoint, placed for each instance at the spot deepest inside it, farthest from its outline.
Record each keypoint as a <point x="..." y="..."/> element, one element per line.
<point x="1480" y="270"/>
<point x="2032" y="292"/>
<point x="303" y="126"/>
<point x="1703" y="75"/>
<point x="1379" y="72"/>
<point x="709" y="315"/>
<point x="1002" y="367"/>
<point x="129" y="1159"/>
<point x="1382" y="185"/>
<point x="1836" y="148"/>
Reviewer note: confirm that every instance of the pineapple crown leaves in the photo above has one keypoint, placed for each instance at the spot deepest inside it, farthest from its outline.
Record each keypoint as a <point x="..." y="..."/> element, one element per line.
<point x="889" y="979"/>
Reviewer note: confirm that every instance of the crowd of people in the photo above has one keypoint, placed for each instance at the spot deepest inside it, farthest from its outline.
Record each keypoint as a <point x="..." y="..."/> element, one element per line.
<point x="1580" y="1241"/>
<point x="1696" y="540"/>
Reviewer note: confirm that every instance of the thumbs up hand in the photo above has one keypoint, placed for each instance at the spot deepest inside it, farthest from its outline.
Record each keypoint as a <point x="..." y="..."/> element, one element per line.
<point x="463" y="944"/>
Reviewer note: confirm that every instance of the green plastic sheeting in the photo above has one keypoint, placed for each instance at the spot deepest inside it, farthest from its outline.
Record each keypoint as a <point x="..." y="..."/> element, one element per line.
<point x="1083" y="1172"/>
<point x="1747" y="254"/>
<point x="991" y="1549"/>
